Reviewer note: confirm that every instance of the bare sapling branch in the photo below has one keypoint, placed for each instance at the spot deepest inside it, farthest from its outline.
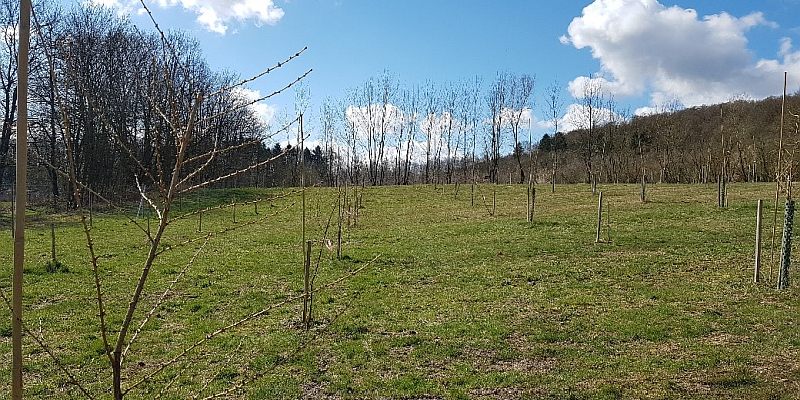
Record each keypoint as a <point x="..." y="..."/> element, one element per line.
<point x="176" y="152"/>
<point x="164" y="295"/>
<point x="47" y="349"/>
<point x="267" y="97"/>
<point x="214" y="153"/>
<point x="148" y="200"/>
<point x="76" y="193"/>
<point x="82" y="186"/>
<point x="232" y="174"/>
<point x="256" y="77"/>
<point x="242" y="321"/>
<point x="185" y="137"/>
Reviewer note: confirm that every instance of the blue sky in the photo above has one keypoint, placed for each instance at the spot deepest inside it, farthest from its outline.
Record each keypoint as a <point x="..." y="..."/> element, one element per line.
<point x="645" y="53"/>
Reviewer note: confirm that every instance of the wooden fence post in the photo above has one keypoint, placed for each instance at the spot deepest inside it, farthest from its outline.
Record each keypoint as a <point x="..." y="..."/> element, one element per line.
<point x="494" y="199"/>
<point x="53" y="242"/>
<point x="472" y="194"/>
<point x="757" y="273"/>
<point x="599" y="217"/>
<point x="786" y="246"/>
<point x="307" y="284"/>
<point x="644" y="188"/>
<point x="528" y="204"/>
<point x="91" y="209"/>
<point x="13" y="207"/>
<point x="531" y="202"/>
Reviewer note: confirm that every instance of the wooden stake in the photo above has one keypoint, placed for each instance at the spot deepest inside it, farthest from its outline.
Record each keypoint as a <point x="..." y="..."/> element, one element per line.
<point x="494" y="200"/>
<point x="608" y="224"/>
<point x="340" y="200"/>
<point x="303" y="177"/>
<point x="757" y="273"/>
<point x="472" y="194"/>
<point x="307" y="284"/>
<point x="13" y="207"/>
<point x="786" y="246"/>
<point x="53" y="242"/>
<point x="599" y="217"/>
<point x="644" y="188"/>
<point x="91" y="209"/>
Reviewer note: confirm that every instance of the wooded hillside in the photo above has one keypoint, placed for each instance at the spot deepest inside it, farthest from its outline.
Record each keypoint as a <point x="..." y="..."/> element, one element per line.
<point x="681" y="146"/>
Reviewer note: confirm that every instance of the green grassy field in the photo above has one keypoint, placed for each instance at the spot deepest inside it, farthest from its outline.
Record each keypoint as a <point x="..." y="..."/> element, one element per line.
<point x="460" y="304"/>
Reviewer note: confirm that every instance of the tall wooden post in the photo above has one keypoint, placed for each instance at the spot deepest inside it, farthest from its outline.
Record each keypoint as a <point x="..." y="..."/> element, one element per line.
<point x="301" y="142"/>
<point x="722" y="191"/>
<point x="778" y="175"/>
<point x="21" y="191"/>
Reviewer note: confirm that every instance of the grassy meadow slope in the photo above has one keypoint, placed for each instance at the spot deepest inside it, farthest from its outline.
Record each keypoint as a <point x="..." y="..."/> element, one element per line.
<point x="460" y="303"/>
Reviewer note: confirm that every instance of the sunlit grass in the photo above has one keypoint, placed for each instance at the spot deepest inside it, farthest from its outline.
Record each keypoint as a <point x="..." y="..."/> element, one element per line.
<point x="460" y="304"/>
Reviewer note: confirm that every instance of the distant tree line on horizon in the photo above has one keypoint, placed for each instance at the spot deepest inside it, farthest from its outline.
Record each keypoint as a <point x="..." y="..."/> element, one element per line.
<point x="94" y="76"/>
<point x="457" y="133"/>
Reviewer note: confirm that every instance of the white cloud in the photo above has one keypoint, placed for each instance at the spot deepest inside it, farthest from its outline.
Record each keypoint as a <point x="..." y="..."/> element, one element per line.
<point x="122" y="6"/>
<point x="645" y="46"/>
<point x="214" y="15"/>
<point x="577" y="116"/>
<point x="265" y="112"/>
<point x="509" y="116"/>
<point x="645" y="111"/>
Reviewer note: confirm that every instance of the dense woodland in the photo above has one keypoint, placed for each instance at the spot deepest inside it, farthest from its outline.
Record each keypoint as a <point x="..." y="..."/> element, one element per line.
<point x="95" y="78"/>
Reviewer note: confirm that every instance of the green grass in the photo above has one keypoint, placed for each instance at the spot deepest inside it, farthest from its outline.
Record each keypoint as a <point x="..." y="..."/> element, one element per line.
<point x="460" y="304"/>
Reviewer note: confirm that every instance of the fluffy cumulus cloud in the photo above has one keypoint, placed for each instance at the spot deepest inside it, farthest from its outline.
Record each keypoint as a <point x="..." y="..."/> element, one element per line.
<point x="122" y="6"/>
<point x="673" y="52"/>
<point x="214" y="15"/>
<point x="265" y="112"/>
<point x="577" y="117"/>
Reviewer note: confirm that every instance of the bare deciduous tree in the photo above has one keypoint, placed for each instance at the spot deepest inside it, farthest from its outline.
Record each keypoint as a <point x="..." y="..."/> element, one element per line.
<point x="586" y="120"/>
<point x="520" y="97"/>
<point x="497" y="102"/>
<point x="178" y="166"/>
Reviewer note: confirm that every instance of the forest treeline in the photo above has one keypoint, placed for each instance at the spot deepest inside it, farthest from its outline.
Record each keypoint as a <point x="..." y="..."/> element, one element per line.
<point x="102" y="85"/>
<point x="111" y="91"/>
<point x="738" y="139"/>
